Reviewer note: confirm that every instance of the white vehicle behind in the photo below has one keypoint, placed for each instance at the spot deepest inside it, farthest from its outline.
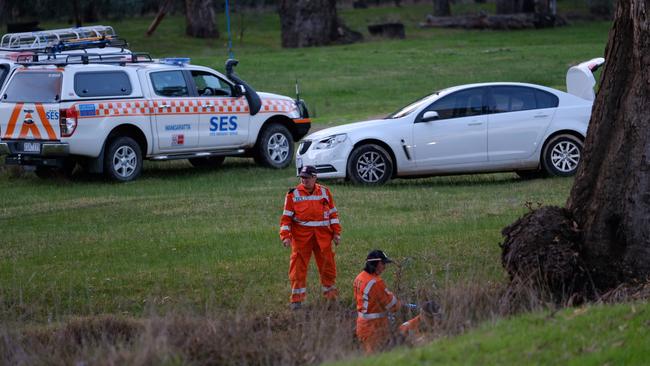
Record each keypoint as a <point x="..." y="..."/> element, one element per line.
<point x="475" y="128"/>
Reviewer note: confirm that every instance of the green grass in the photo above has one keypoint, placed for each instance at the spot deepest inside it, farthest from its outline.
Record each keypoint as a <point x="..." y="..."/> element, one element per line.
<point x="208" y="239"/>
<point x="594" y="335"/>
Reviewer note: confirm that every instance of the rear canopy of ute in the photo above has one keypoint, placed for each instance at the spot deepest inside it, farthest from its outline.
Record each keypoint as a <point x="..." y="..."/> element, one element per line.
<point x="580" y="79"/>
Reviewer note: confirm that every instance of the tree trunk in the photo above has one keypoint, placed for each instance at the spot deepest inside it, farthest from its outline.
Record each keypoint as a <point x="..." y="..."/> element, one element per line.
<point x="308" y="23"/>
<point x="199" y="19"/>
<point x="609" y="204"/>
<point x="611" y="195"/>
<point x="441" y="8"/>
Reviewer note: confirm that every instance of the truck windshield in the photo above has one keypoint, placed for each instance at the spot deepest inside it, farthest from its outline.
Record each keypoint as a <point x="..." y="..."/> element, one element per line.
<point x="34" y="87"/>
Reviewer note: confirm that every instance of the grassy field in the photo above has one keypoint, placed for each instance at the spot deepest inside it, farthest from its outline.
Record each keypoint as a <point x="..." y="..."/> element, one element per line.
<point x="594" y="335"/>
<point x="200" y="241"/>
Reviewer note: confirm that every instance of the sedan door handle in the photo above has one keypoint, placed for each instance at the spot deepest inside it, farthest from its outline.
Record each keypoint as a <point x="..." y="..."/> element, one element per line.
<point x="475" y="123"/>
<point x="541" y="116"/>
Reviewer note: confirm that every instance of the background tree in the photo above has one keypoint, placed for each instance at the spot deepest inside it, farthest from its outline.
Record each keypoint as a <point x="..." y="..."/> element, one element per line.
<point x="441" y="8"/>
<point x="604" y="232"/>
<point x="199" y="19"/>
<point x="307" y="23"/>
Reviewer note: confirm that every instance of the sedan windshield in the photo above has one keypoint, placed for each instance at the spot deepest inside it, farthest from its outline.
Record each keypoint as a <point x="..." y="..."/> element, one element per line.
<point x="411" y="107"/>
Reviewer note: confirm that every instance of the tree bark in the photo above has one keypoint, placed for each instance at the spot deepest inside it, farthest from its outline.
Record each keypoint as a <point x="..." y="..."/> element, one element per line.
<point x="610" y="199"/>
<point x="609" y="204"/>
<point x="308" y="23"/>
<point x="199" y="19"/>
<point x="441" y="8"/>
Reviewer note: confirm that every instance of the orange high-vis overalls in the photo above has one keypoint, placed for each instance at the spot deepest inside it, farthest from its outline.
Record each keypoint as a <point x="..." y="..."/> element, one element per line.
<point x="411" y="328"/>
<point x="310" y="220"/>
<point x="374" y="301"/>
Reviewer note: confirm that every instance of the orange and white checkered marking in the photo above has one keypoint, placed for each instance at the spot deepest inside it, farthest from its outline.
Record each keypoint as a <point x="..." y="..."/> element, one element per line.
<point x="278" y="105"/>
<point x="122" y="108"/>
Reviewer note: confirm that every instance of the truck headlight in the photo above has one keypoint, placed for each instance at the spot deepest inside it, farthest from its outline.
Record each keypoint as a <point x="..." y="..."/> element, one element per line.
<point x="330" y="141"/>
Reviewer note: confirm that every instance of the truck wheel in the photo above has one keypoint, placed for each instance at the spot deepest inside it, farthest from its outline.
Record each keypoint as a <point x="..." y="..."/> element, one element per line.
<point x="123" y="160"/>
<point x="209" y="162"/>
<point x="274" y="147"/>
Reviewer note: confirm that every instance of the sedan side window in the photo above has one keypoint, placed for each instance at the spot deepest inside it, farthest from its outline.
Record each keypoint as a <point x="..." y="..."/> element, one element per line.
<point x="465" y="103"/>
<point x="210" y="85"/>
<point x="513" y="99"/>
<point x="169" y="84"/>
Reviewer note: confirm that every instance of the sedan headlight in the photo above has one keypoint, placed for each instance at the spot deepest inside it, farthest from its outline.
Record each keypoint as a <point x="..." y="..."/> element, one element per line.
<point x="330" y="141"/>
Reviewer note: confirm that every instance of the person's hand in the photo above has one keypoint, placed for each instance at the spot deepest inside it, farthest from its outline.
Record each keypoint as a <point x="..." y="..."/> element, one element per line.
<point x="337" y="239"/>
<point x="286" y="242"/>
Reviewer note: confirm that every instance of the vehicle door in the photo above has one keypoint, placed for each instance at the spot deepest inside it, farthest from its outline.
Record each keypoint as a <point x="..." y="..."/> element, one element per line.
<point x="29" y="110"/>
<point x="459" y="133"/>
<point x="518" y="118"/>
<point x="176" y="110"/>
<point x="224" y="120"/>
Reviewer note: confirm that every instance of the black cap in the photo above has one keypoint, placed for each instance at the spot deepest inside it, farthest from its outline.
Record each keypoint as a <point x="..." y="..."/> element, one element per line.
<point x="307" y="171"/>
<point x="378" y="255"/>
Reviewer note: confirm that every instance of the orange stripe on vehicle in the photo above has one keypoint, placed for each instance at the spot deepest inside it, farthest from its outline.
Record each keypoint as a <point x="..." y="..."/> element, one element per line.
<point x="29" y="128"/>
<point x="302" y="120"/>
<point x="45" y="121"/>
<point x="12" y="121"/>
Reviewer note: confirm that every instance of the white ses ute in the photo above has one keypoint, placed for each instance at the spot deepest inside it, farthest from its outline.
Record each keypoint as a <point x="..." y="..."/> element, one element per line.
<point x="475" y="128"/>
<point x="108" y="112"/>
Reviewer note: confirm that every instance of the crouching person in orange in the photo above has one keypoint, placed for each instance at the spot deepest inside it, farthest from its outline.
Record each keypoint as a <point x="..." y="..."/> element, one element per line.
<point x="310" y="223"/>
<point x="412" y="330"/>
<point x="374" y="301"/>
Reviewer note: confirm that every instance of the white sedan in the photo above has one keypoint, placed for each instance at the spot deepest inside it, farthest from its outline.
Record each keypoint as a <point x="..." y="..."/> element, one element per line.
<point x="475" y="128"/>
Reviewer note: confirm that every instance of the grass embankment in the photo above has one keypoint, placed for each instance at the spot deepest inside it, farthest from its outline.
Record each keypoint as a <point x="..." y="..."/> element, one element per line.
<point x="593" y="335"/>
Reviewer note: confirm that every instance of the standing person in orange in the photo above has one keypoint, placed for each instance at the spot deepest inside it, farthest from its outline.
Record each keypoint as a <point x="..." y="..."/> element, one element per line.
<point x="374" y="301"/>
<point x="310" y="223"/>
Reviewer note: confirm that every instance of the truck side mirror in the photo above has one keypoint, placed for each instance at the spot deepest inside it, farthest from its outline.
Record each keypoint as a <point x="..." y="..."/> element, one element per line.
<point x="240" y="90"/>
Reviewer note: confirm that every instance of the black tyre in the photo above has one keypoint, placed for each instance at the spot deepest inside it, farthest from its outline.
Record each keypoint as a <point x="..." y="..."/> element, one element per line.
<point x="209" y="162"/>
<point x="562" y="155"/>
<point x="274" y="147"/>
<point x="369" y="165"/>
<point x="122" y="159"/>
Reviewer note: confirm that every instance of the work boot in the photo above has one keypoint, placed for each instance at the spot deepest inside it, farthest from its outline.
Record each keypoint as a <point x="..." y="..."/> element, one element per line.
<point x="295" y="306"/>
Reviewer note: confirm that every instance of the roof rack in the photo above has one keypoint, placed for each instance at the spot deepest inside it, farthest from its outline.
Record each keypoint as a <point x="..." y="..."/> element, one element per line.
<point x="57" y="40"/>
<point x="120" y="58"/>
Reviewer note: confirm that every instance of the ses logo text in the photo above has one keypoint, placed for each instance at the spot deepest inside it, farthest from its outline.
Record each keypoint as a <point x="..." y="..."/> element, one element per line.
<point x="223" y="125"/>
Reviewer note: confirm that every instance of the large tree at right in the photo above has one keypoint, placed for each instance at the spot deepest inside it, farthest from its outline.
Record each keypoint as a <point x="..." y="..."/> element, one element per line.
<point x="602" y="238"/>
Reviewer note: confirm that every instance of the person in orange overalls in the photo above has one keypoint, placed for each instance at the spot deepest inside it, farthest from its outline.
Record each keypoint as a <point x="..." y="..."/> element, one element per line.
<point x="374" y="301"/>
<point x="412" y="330"/>
<point x="310" y="223"/>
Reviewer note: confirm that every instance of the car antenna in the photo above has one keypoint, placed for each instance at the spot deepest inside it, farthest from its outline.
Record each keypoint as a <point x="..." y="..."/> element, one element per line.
<point x="297" y="90"/>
